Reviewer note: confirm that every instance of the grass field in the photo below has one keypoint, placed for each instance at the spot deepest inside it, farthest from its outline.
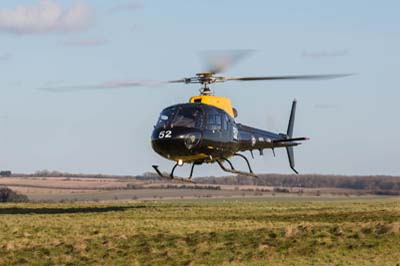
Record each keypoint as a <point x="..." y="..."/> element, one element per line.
<point x="343" y="232"/>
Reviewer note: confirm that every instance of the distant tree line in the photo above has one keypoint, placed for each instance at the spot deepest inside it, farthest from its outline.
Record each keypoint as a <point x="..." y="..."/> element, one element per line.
<point x="52" y="173"/>
<point x="377" y="184"/>
<point x="8" y="195"/>
<point x="5" y="173"/>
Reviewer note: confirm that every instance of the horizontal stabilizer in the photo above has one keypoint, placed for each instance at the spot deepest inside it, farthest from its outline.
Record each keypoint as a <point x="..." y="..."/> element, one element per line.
<point x="290" y="140"/>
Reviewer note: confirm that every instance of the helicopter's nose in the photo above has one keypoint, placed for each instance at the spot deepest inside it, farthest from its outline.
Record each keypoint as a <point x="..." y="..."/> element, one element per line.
<point x="175" y="142"/>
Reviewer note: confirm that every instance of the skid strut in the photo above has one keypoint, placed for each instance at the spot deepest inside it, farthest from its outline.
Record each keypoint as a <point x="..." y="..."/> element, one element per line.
<point x="232" y="170"/>
<point x="171" y="175"/>
<point x="229" y="162"/>
<point x="247" y="161"/>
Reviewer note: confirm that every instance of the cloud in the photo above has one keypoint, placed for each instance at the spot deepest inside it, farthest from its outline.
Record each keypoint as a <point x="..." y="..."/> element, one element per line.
<point x="126" y="7"/>
<point x="46" y="16"/>
<point x="5" y="57"/>
<point x="85" y="42"/>
<point x="324" y="54"/>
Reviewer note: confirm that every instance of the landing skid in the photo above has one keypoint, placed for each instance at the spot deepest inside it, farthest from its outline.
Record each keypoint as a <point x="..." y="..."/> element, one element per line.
<point x="220" y="163"/>
<point x="172" y="177"/>
<point x="233" y="170"/>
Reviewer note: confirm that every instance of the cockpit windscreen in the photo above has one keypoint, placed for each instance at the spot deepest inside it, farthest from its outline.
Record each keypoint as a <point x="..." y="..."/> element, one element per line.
<point x="181" y="117"/>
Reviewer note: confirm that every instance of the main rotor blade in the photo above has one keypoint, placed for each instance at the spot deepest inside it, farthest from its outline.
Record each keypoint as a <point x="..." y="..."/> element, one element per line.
<point x="217" y="61"/>
<point x="110" y="85"/>
<point x="151" y="83"/>
<point x="291" y="77"/>
<point x="184" y="80"/>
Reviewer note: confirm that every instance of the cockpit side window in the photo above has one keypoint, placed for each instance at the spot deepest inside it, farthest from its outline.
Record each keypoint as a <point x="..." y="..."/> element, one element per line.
<point x="188" y="117"/>
<point x="214" y="120"/>
<point x="225" y="122"/>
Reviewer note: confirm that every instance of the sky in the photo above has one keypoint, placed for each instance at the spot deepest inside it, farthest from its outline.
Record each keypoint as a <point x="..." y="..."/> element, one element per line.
<point x="352" y="122"/>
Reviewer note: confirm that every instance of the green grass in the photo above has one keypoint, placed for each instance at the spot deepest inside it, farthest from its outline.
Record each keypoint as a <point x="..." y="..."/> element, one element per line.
<point x="363" y="232"/>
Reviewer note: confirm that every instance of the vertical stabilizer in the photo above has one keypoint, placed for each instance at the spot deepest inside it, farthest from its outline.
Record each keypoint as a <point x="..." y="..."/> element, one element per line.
<point x="289" y="134"/>
<point x="290" y="154"/>
<point x="291" y="120"/>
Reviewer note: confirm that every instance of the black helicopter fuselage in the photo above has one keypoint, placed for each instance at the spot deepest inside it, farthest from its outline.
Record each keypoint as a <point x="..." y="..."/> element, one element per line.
<point x="198" y="133"/>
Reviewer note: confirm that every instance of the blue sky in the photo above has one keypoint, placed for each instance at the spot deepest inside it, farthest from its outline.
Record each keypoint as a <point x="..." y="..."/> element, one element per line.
<point x="352" y="122"/>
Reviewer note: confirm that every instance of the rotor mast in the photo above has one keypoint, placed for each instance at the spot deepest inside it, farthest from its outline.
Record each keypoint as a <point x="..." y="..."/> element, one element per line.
<point x="205" y="79"/>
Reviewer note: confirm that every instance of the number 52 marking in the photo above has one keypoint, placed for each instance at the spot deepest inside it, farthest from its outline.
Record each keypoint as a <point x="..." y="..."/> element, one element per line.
<point x="165" y="134"/>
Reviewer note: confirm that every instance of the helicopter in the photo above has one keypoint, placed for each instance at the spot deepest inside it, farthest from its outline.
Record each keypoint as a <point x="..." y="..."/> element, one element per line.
<point x="204" y="130"/>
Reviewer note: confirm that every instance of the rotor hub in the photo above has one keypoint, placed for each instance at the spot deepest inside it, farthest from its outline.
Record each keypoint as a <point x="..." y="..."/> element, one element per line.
<point x="206" y="78"/>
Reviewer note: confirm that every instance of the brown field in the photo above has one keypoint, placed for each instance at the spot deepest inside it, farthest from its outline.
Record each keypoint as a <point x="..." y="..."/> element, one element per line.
<point x="120" y="188"/>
